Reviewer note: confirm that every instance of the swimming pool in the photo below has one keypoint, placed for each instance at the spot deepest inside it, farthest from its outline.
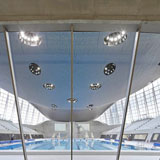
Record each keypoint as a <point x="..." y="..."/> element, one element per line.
<point x="78" y="144"/>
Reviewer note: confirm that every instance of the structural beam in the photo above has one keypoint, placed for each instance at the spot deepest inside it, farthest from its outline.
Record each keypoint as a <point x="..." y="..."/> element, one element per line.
<point x="135" y="49"/>
<point x="22" y="10"/>
<point x="72" y="92"/>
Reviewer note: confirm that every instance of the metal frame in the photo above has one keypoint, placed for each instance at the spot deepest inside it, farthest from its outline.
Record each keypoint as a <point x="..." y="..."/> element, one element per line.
<point x="72" y="91"/>
<point x="12" y="73"/>
<point x="6" y="104"/>
<point x="111" y="116"/>
<point x="135" y="49"/>
<point x="155" y="100"/>
<point x="13" y="111"/>
<point x="130" y="111"/>
<point x="117" y="112"/>
<point x="145" y="102"/>
<point x="105" y="117"/>
<point x="26" y="116"/>
<point x="137" y="106"/>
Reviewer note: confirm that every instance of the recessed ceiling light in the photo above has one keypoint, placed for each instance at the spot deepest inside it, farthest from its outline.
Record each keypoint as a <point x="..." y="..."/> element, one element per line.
<point x="49" y="86"/>
<point x="29" y="38"/>
<point x="90" y="107"/>
<point x="115" y="38"/>
<point x="109" y="68"/>
<point x="95" y="86"/>
<point x="54" y="106"/>
<point x="72" y="100"/>
<point x="35" y="69"/>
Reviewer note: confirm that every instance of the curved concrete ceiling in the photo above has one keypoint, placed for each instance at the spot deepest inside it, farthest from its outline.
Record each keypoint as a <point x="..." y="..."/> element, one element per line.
<point x="90" y="58"/>
<point x="64" y="115"/>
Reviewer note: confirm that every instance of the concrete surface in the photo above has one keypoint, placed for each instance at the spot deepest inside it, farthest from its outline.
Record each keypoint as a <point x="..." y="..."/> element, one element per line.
<point x="85" y="155"/>
<point x="22" y="10"/>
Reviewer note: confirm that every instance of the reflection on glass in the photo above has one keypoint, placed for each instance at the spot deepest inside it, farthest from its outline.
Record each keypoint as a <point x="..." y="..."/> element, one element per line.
<point x="98" y="112"/>
<point x="100" y="79"/>
<point x="142" y="127"/>
<point x="9" y="129"/>
<point x="43" y="98"/>
<point x="142" y="124"/>
<point x="143" y="114"/>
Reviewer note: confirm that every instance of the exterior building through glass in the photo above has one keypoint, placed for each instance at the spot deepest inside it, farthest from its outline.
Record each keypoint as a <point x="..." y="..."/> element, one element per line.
<point x="29" y="114"/>
<point x="143" y="104"/>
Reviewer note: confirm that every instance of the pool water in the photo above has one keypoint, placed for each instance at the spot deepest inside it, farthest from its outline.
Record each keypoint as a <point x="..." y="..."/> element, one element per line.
<point x="78" y="144"/>
<point x="66" y="145"/>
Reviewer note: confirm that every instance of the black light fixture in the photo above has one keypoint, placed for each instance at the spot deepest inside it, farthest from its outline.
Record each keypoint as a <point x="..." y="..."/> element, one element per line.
<point x="109" y="69"/>
<point x="90" y="107"/>
<point x="35" y="69"/>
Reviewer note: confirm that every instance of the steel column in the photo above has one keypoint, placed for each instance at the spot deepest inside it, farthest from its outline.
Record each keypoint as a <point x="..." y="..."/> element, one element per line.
<point x="155" y="101"/>
<point x="117" y="113"/>
<point x="105" y="117"/>
<point x="146" y="105"/>
<point x="71" y="92"/>
<point x="26" y="116"/>
<point x="135" y="49"/>
<point x="137" y="107"/>
<point x="10" y="60"/>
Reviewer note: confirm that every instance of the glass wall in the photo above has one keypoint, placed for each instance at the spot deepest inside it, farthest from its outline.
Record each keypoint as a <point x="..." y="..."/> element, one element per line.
<point x="101" y="67"/>
<point x="29" y="114"/>
<point x="98" y="83"/>
<point x="142" y="123"/>
<point x="43" y="82"/>
<point x="143" y="104"/>
<point x="9" y="132"/>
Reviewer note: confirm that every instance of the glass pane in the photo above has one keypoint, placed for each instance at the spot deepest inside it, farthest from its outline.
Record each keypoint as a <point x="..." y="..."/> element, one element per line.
<point x="100" y="83"/>
<point x="9" y="129"/>
<point x="142" y="125"/>
<point x="100" y="79"/>
<point x="43" y="82"/>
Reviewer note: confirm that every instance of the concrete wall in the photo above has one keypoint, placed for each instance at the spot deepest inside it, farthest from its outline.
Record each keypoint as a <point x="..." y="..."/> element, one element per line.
<point x="25" y="10"/>
<point x="48" y="129"/>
